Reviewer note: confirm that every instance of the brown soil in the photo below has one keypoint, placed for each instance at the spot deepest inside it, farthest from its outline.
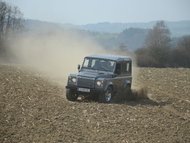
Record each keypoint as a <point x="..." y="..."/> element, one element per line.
<point x="32" y="109"/>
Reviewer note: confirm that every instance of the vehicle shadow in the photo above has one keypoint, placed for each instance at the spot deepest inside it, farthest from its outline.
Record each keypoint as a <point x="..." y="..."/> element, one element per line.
<point x="137" y="97"/>
<point x="132" y="98"/>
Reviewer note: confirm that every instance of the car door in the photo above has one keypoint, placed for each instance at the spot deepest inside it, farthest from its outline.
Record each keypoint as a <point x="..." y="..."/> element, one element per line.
<point x="117" y="80"/>
<point x="126" y="70"/>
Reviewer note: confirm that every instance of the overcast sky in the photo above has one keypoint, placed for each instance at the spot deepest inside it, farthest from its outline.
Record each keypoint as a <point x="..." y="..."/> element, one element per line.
<point x="95" y="11"/>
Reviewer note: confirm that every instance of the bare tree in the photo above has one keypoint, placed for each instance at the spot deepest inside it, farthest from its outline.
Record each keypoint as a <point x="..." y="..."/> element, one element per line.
<point x="10" y="18"/>
<point x="181" y="54"/>
<point x="159" y="36"/>
<point x="157" y="47"/>
<point x="10" y="21"/>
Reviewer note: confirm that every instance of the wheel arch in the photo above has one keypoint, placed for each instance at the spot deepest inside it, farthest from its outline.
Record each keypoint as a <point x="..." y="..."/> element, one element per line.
<point x="127" y="83"/>
<point x="110" y="84"/>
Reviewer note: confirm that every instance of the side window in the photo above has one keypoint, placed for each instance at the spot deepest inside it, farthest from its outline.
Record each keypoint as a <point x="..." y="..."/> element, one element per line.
<point x="118" y="68"/>
<point x="93" y="62"/>
<point x="86" y="62"/>
<point x="126" y="68"/>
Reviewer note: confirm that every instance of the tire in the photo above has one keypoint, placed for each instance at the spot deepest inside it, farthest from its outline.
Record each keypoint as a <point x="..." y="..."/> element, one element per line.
<point x="106" y="96"/>
<point x="71" y="95"/>
<point x="128" y="92"/>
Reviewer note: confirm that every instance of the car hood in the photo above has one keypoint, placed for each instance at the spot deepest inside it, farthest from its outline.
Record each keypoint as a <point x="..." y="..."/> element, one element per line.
<point x="94" y="74"/>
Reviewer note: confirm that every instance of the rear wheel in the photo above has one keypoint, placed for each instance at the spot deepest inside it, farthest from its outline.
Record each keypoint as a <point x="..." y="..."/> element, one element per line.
<point x="128" y="92"/>
<point x="71" y="95"/>
<point x="106" y="96"/>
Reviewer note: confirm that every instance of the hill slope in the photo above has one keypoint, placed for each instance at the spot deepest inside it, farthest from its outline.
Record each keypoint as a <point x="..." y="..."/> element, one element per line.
<point x="177" y="28"/>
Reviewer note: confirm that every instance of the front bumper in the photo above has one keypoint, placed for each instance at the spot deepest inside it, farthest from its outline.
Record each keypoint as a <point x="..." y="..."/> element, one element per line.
<point x="92" y="90"/>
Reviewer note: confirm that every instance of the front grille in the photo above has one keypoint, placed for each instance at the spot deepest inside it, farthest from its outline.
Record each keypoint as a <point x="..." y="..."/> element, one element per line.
<point x="85" y="82"/>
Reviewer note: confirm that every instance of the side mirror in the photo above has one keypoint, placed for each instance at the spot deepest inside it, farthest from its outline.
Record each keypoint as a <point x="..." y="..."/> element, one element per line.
<point x="78" y="67"/>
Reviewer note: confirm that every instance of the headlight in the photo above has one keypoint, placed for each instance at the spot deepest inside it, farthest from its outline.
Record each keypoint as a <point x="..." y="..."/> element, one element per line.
<point x="74" y="80"/>
<point x="99" y="83"/>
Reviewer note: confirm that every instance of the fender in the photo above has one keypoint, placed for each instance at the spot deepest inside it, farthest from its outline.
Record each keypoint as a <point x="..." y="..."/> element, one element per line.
<point x="110" y="83"/>
<point x="127" y="83"/>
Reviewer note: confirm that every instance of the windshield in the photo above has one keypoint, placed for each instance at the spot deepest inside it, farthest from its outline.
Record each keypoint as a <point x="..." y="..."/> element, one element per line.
<point x="99" y="64"/>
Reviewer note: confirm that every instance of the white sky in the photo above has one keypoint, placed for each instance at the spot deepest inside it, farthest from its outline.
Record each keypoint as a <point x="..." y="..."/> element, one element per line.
<point x="94" y="11"/>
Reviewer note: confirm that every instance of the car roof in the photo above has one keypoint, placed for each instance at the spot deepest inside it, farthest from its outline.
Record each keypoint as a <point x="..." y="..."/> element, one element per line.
<point x="110" y="57"/>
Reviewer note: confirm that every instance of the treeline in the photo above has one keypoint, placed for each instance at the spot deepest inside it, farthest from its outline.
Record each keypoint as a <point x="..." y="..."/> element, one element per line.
<point x="159" y="52"/>
<point x="10" y="21"/>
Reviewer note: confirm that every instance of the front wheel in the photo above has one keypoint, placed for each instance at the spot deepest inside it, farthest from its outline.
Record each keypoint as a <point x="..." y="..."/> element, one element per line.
<point x="71" y="95"/>
<point x="106" y="96"/>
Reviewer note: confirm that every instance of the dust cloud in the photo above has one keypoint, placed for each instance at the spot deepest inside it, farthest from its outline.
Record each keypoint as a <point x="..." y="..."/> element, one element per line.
<point x="55" y="54"/>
